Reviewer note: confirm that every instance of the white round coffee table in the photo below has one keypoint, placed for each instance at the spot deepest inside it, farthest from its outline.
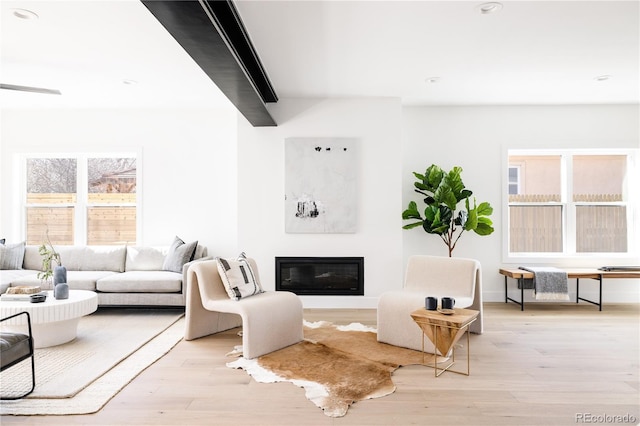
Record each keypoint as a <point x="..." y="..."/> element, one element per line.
<point x="53" y="322"/>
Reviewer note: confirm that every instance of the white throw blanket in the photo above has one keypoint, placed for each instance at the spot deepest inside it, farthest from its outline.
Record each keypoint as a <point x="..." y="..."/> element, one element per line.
<point x="549" y="283"/>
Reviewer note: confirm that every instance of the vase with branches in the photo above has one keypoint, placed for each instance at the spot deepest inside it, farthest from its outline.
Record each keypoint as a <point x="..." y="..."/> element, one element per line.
<point x="442" y="193"/>
<point x="49" y="257"/>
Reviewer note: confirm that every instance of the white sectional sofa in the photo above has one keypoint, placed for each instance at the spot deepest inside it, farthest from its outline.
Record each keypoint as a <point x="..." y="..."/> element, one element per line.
<point x="120" y="275"/>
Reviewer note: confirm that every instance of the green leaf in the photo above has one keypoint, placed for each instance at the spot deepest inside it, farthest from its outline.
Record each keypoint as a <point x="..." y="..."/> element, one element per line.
<point x="461" y="220"/>
<point x="454" y="181"/>
<point x="408" y="214"/>
<point x="445" y="195"/>
<point x="432" y="213"/>
<point x="433" y="177"/>
<point x="446" y="214"/>
<point x="483" y="228"/>
<point x="485" y="209"/>
<point x="465" y="194"/>
<point x="421" y="186"/>
<point x="419" y="176"/>
<point x="485" y="220"/>
<point x="437" y="219"/>
<point x="472" y="220"/>
<point x="435" y="228"/>
<point x="431" y="220"/>
<point x="411" y="212"/>
<point x="412" y="225"/>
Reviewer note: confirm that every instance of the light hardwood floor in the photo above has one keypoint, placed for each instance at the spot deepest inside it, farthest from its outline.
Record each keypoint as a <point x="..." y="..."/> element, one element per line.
<point x="548" y="365"/>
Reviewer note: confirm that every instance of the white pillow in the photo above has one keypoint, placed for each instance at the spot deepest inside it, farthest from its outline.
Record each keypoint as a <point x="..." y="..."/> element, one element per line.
<point x="238" y="277"/>
<point x="141" y="258"/>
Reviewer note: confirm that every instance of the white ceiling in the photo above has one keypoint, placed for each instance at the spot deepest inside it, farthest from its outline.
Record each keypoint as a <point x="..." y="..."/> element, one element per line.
<point x="87" y="48"/>
<point x="530" y="52"/>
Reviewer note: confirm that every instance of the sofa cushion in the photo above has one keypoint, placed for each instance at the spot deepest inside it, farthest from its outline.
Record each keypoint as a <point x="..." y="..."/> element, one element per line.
<point x="93" y="258"/>
<point x="12" y="256"/>
<point x="77" y="280"/>
<point x="145" y="258"/>
<point x="141" y="282"/>
<point x="81" y="258"/>
<point x="8" y="276"/>
<point x="201" y="251"/>
<point x="179" y="253"/>
<point x="238" y="277"/>
<point x="32" y="259"/>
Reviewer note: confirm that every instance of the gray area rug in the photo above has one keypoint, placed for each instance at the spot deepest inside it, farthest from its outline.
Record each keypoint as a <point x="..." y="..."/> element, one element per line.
<point x="112" y="347"/>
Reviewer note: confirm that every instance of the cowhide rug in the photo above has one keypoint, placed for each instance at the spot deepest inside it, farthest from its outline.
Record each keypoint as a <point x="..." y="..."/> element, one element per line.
<point x="336" y="365"/>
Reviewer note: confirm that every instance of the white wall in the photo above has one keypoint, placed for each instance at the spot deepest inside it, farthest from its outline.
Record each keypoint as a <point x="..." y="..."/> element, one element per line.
<point x="477" y="139"/>
<point x="189" y="165"/>
<point x="376" y="123"/>
<point x="209" y="175"/>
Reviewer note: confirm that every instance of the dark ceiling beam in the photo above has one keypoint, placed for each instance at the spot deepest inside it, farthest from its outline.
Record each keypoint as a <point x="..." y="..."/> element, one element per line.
<point x="212" y="33"/>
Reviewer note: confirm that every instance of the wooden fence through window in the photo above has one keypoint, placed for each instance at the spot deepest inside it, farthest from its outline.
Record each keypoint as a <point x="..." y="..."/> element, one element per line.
<point x="600" y="228"/>
<point x="107" y="224"/>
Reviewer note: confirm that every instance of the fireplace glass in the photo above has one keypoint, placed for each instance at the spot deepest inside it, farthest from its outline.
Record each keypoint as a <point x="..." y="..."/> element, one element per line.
<point x="320" y="275"/>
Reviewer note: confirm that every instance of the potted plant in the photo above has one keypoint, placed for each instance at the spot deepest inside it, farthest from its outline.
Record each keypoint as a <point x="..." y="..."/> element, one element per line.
<point x="442" y="216"/>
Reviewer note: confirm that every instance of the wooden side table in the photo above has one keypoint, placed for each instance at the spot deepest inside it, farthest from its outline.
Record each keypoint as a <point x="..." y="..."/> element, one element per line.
<point x="444" y="331"/>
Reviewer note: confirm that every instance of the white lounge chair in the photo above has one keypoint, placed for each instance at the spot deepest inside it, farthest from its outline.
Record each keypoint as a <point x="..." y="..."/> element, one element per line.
<point x="428" y="276"/>
<point x="270" y="320"/>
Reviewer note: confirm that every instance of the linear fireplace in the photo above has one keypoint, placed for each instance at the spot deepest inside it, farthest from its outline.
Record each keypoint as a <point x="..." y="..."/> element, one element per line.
<point x="324" y="276"/>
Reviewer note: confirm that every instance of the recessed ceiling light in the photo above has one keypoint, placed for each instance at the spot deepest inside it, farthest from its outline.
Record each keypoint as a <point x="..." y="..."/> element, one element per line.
<point x="604" y="77"/>
<point x="129" y="81"/>
<point x="432" y="80"/>
<point x="491" y="7"/>
<point x="24" y="14"/>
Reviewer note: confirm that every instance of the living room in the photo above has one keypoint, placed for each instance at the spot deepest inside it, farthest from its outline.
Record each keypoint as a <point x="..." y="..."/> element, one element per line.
<point x="207" y="174"/>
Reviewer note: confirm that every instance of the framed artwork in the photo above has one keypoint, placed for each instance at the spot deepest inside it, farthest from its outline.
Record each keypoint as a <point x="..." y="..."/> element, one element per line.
<point x="320" y="185"/>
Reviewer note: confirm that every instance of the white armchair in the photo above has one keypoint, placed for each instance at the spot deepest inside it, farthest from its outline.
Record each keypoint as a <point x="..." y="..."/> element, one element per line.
<point x="270" y="320"/>
<point x="428" y="276"/>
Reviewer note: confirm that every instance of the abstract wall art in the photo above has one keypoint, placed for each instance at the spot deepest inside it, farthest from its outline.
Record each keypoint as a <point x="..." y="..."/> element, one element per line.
<point x="320" y="185"/>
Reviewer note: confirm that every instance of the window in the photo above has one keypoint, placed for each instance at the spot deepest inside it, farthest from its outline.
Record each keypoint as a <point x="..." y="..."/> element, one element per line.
<point x="514" y="180"/>
<point x="571" y="202"/>
<point x="79" y="199"/>
<point x="51" y="199"/>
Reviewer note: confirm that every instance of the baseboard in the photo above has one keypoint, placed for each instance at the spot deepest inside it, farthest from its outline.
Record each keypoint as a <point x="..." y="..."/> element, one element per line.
<point x="607" y="296"/>
<point x="371" y="302"/>
<point x="339" y="302"/>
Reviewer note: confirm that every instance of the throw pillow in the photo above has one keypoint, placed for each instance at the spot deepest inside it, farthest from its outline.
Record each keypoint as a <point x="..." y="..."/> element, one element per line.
<point x="12" y="255"/>
<point x="179" y="253"/>
<point x="238" y="277"/>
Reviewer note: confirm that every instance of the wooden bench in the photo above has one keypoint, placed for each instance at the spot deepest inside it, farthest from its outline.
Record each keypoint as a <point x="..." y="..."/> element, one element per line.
<point x="520" y="276"/>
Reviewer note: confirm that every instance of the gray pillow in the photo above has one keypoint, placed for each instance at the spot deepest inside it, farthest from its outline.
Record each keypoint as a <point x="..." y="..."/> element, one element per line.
<point x="179" y="254"/>
<point x="12" y="256"/>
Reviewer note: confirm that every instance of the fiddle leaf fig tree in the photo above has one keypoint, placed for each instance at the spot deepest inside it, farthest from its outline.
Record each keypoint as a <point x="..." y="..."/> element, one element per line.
<point x="443" y="193"/>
